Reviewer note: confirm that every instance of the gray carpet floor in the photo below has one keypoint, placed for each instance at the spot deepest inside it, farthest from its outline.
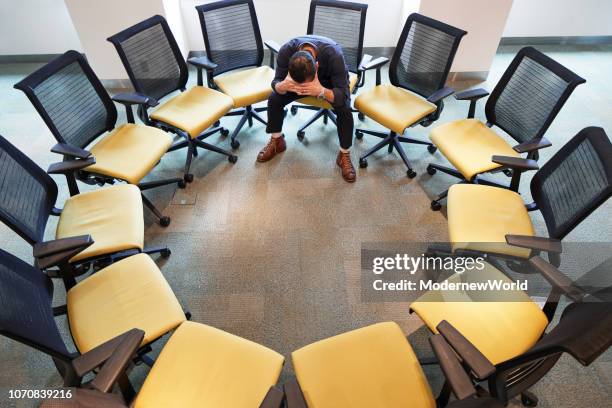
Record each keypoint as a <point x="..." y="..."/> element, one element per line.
<point x="271" y="252"/>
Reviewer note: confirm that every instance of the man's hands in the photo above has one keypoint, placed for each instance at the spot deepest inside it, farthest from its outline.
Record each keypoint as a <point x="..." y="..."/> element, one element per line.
<point x="312" y="88"/>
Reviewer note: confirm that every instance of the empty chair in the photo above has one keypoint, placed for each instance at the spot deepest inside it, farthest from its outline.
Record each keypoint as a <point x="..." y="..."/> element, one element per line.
<point x="375" y="367"/>
<point x="233" y="41"/>
<point x="418" y="71"/>
<point x="523" y="104"/>
<point x="198" y="366"/>
<point x="77" y="109"/>
<point x="571" y="185"/>
<point x="511" y="332"/>
<point x="112" y="216"/>
<point x="343" y="22"/>
<point x="156" y="68"/>
<point x="129" y="293"/>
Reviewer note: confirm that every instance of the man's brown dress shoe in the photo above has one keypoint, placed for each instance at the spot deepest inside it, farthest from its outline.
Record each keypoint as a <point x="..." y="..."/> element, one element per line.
<point x="348" y="171"/>
<point x="274" y="146"/>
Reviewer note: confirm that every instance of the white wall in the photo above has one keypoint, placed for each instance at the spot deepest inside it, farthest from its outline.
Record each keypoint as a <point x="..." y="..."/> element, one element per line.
<point x="546" y="18"/>
<point x="36" y="27"/>
<point x="484" y="21"/>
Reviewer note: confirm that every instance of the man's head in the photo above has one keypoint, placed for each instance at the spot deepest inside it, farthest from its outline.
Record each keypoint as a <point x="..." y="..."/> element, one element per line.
<point x="302" y="66"/>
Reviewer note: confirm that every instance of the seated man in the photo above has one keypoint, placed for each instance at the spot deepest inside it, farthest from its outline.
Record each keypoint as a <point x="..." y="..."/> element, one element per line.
<point x="311" y="66"/>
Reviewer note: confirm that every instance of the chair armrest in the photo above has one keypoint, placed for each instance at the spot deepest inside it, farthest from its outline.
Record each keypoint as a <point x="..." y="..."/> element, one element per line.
<point x="440" y="94"/>
<point x="272" y="46"/>
<point x="458" y="379"/>
<point x="294" y="395"/>
<point x="532" y="145"/>
<point x="557" y="278"/>
<point x="70" y="166"/>
<point x="364" y="61"/>
<point x="69" y="150"/>
<point x="135" y="98"/>
<point x="273" y="399"/>
<point x="375" y="63"/>
<point x="97" y="356"/>
<point x="118" y="362"/>
<point x="517" y="163"/>
<point x="537" y="243"/>
<point x="47" y="248"/>
<point x="85" y="398"/>
<point x="471" y="94"/>
<point x="202" y="62"/>
<point x="480" y="366"/>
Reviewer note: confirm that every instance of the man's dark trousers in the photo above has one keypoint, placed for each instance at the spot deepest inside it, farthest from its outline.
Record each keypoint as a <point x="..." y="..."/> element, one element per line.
<point x="277" y="103"/>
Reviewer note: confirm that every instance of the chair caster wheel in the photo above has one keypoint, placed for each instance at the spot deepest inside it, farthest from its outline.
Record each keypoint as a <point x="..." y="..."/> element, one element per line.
<point x="285" y="113"/>
<point x="411" y="173"/>
<point x="232" y="159"/>
<point x="188" y="177"/>
<point x="435" y="205"/>
<point x="507" y="172"/>
<point x="165" y="253"/>
<point x="182" y="184"/>
<point x="432" y="149"/>
<point x="294" y="110"/>
<point x="164" y="221"/>
<point x="528" y="399"/>
<point x="431" y="170"/>
<point x="361" y="116"/>
<point x="235" y="144"/>
<point x="359" y="134"/>
<point x="300" y="135"/>
<point x="363" y="163"/>
<point x="217" y="123"/>
<point x="224" y="132"/>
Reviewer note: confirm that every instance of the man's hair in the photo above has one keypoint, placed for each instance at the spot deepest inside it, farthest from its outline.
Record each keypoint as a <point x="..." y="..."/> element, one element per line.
<point x="302" y="67"/>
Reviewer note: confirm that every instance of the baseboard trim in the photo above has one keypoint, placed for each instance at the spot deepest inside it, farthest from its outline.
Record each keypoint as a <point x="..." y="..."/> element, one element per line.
<point x="570" y="40"/>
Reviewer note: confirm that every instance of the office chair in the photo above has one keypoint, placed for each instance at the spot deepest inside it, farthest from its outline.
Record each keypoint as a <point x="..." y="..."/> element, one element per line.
<point x="77" y="110"/>
<point x="571" y="185"/>
<point x="509" y="328"/>
<point x="233" y="41"/>
<point x="343" y="22"/>
<point x="375" y="366"/>
<point x="156" y="68"/>
<point x="418" y="71"/>
<point x="198" y="364"/>
<point x="112" y="216"/>
<point x="523" y="104"/>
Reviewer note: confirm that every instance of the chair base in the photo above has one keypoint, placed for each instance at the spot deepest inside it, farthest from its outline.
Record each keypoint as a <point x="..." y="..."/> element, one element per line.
<point x="326" y="114"/>
<point x="193" y="144"/>
<point x="248" y="114"/>
<point x="433" y="168"/>
<point x="392" y="141"/>
<point x="164" y="221"/>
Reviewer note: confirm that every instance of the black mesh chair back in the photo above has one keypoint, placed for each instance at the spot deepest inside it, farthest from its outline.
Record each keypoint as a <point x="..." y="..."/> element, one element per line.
<point x="424" y="54"/>
<point x="26" y="314"/>
<point x="70" y="99"/>
<point x="574" y="182"/>
<point x="529" y="95"/>
<point x="27" y="193"/>
<point x="231" y="34"/>
<point x="343" y="22"/>
<point x="151" y="57"/>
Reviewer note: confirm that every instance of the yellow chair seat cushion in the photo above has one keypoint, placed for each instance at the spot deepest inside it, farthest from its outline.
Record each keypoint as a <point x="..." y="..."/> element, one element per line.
<point x="469" y="144"/>
<point x="127" y="294"/>
<point x="194" y="110"/>
<point x="129" y="152"/>
<point x="393" y="107"/>
<point x="201" y="366"/>
<point x="314" y="101"/>
<point x="371" y="367"/>
<point x="480" y="217"/>
<point x="112" y="216"/>
<point x="247" y="87"/>
<point x="501" y="324"/>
